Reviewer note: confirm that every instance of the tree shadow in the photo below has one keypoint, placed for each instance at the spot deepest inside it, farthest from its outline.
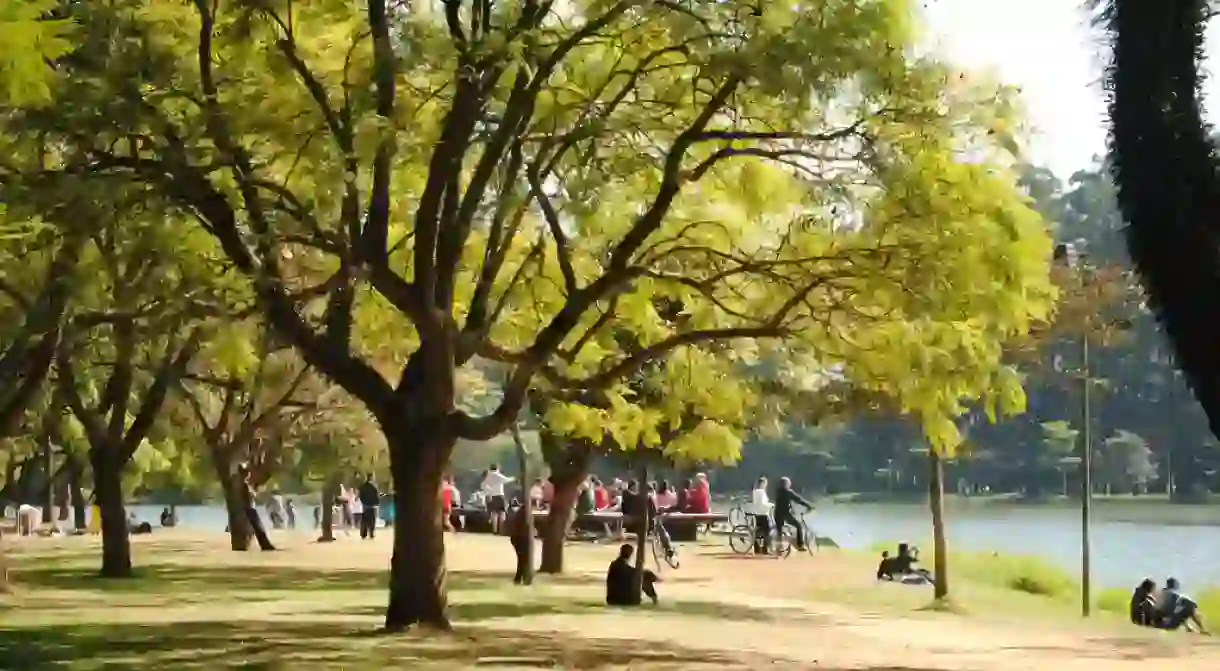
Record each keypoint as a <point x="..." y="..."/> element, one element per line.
<point x="292" y="645"/>
<point x="181" y="578"/>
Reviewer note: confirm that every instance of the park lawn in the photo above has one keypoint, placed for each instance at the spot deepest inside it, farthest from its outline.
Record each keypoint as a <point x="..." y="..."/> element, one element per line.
<point x="199" y="606"/>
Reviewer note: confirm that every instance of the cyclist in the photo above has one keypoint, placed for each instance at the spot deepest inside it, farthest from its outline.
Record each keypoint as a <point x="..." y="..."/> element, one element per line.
<point x="784" y="499"/>
<point x="760" y="508"/>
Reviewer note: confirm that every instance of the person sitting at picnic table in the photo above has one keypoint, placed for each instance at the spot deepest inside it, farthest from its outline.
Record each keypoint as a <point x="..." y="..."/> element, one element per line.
<point x="585" y="502"/>
<point x="699" y="501"/>
<point x="620" y="581"/>
<point x="684" y="497"/>
<point x="601" y="497"/>
<point x="666" y="498"/>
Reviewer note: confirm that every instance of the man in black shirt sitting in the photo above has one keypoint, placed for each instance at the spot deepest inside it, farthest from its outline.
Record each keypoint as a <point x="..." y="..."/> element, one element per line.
<point x="620" y="581"/>
<point x="784" y="499"/>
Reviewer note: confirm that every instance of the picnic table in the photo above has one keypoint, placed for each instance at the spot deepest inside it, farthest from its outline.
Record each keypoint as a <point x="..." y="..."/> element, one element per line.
<point x="681" y="526"/>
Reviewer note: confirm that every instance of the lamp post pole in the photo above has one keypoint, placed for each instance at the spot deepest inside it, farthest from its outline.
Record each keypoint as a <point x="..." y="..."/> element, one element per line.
<point x="1086" y="482"/>
<point x="1070" y="256"/>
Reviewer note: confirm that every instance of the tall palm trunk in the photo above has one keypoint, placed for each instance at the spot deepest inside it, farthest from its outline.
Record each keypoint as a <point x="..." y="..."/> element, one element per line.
<point x="1166" y="173"/>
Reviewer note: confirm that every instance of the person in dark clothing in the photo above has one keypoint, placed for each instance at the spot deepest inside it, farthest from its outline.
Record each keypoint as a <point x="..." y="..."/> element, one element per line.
<point x="620" y="581"/>
<point x="519" y="534"/>
<point x="1143" y="604"/>
<point x="784" y="500"/>
<point x="885" y="570"/>
<point x="256" y="523"/>
<point x="1175" y="609"/>
<point x="370" y="498"/>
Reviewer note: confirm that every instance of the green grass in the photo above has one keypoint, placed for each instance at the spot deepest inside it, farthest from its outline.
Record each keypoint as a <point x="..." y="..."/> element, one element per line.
<point x="1006" y="578"/>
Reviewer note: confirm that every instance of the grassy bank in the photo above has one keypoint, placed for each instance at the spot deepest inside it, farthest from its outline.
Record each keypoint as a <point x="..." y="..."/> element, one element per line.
<point x="1027" y="581"/>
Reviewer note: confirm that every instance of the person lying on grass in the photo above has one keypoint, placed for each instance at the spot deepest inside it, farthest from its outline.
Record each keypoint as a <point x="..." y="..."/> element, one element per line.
<point x="620" y="581"/>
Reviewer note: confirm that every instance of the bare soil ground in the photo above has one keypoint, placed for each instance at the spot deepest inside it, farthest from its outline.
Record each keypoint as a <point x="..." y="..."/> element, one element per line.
<point x="194" y="604"/>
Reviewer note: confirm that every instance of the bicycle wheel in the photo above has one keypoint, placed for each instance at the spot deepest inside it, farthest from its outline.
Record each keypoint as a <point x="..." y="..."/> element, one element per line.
<point x="737" y="516"/>
<point x="783" y="543"/>
<point x="741" y="539"/>
<point x="658" y="550"/>
<point x="811" y="540"/>
<point x="671" y="558"/>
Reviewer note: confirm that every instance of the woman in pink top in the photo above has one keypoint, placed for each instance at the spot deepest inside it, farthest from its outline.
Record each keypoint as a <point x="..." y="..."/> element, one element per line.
<point x="666" y="498"/>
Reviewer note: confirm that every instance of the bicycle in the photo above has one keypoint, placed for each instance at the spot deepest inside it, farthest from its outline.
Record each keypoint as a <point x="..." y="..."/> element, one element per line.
<point x="737" y="513"/>
<point x="658" y="547"/>
<point x="811" y="539"/>
<point x="741" y="539"/>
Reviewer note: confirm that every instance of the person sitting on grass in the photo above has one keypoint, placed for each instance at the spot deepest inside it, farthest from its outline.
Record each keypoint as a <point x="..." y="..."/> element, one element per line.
<point x="620" y="581"/>
<point x="902" y="568"/>
<point x="1143" y="604"/>
<point x="1177" y="609"/>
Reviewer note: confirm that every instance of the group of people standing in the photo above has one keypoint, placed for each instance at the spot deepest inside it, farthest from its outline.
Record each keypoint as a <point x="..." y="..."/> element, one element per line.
<point x="356" y="507"/>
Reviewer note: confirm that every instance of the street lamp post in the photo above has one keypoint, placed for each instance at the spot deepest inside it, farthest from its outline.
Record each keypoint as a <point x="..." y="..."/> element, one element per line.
<point x="1068" y="255"/>
<point x="1086" y="480"/>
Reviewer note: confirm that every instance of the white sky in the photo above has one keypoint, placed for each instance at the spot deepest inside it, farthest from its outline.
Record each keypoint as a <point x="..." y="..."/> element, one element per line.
<point x="1046" y="48"/>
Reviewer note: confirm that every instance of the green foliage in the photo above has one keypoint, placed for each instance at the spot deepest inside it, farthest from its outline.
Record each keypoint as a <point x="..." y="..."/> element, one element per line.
<point x="28" y="39"/>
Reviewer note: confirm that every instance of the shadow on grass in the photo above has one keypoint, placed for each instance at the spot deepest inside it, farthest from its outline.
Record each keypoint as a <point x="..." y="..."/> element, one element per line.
<point x="177" y="578"/>
<point x="477" y="611"/>
<point x="304" y="645"/>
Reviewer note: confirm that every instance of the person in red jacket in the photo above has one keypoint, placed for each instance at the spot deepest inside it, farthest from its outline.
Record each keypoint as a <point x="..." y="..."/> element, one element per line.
<point x="700" y="499"/>
<point x="601" y="497"/>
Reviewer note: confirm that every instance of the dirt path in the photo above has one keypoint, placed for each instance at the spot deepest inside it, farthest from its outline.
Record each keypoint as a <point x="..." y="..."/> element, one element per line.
<point x="839" y="636"/>
<point x="769" y="610"/>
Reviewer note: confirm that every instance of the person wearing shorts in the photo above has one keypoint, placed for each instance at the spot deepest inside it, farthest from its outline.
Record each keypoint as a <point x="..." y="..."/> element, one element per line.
<point x="493" y="488"/>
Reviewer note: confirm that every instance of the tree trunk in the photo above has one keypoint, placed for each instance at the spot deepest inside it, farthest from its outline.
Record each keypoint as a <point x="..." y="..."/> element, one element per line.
<point x="418" y="591"/>
<point x="569" y="464"/>
<point x="940" y="551"/>
<point x="328" y="511"/>
<point x="108" y="489"/>
<point x="235" y="507"/>
<point x="641" y="539"/>
<point x="80" y="508"/>
<point x="559" y="520"/>
<point x="5" y="586"/>
<point x="1165" y="170"/>
<point x="527" y="502"/>
<point x="235" y="499"/>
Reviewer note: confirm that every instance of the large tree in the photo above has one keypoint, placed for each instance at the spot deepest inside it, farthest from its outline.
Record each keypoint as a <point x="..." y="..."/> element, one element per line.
<point x="475" y="179"/>
<point x="1165" y="166"/>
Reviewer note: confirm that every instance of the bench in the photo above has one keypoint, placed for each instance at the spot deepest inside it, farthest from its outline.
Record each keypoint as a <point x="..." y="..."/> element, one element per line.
<point x="685" y="526"/>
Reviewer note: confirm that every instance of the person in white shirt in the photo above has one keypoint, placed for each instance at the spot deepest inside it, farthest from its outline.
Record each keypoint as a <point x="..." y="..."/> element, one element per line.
<point x="760" y="508"/>
<point x="357" y="509"/>
<point x="493" y="488"/>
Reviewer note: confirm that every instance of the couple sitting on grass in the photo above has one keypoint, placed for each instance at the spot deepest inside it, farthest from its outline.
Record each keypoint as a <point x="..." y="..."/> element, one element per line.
<point x="1171" y="610"/>
<point x="902" y="568"/>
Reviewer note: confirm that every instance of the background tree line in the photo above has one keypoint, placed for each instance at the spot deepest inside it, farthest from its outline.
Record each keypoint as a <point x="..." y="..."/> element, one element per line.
<point x="1149" y="432"/>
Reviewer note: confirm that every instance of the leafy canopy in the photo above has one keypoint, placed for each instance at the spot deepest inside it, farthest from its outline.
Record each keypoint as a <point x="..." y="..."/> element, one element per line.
<point x="575" y="189"/>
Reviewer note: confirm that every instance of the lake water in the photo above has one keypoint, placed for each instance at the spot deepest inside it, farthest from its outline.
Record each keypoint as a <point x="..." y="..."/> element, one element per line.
<point x="1129" y="540"/>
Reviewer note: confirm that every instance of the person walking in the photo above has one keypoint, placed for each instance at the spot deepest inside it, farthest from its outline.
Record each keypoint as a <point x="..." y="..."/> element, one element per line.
<point x="369" y="498"/>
